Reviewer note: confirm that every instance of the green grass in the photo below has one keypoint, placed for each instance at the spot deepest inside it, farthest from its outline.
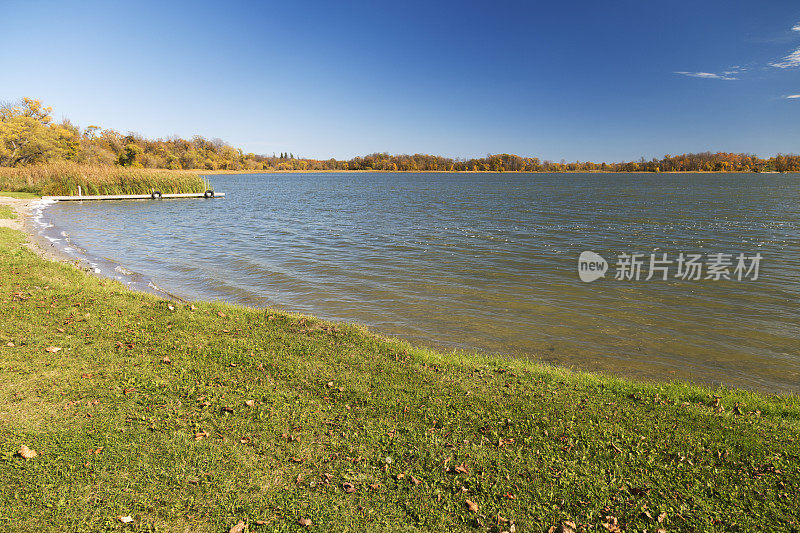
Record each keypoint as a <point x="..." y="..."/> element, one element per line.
<point x="7" y="212"/>
<point x="115" y="425"/>
<point x="64" y="178"/>
<point x="20" y="195"/>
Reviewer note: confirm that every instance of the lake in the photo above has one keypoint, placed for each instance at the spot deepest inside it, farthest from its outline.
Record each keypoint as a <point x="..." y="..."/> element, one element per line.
<point x="488" y="262"/>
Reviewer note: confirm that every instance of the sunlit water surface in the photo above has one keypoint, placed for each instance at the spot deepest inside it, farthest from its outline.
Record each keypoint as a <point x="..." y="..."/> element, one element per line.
<point x="483" y="262"/>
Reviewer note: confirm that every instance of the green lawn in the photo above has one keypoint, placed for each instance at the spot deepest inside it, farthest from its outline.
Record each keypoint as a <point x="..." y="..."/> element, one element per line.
<point x="6" y="212"/>
<point x="193" y="418"/>
<point x="19" y="195"/>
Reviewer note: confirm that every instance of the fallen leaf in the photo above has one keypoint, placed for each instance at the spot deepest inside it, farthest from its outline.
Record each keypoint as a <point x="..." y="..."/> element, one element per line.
<point x="200" y="435"/>
<point x="348" y="487"/>
<point x="238" y="528"/>
<point x="250" y="403"/>
<point x="27" y="453"/>
<point x="375" y="486"/>
<point x="509" y="496"/>
<point x="244" y="440"/>
<point x="400" y="476"/>
<point x="472" y="506"/>
<point x="565" y="527"/>
<point x="86" y="376"/>
<point x="415" y="481"/>
<point x="661" y="518"/>
<point x="305" y="522"/>
<point x="166" y="360"/>
<point x="461" y="469"/>
<point x="53" y="349"/>
<point x="612" y="525"/>
<point x="10" y="344"/>
<point x="125" y="519"/>
<point x="221" y="314"/>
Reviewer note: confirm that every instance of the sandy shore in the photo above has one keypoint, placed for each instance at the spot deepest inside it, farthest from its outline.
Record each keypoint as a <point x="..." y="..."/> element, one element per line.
<point x="23" y="223"/>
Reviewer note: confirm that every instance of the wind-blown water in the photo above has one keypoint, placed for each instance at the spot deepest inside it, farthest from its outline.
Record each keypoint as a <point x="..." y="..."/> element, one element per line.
<point x="484" y="262"/>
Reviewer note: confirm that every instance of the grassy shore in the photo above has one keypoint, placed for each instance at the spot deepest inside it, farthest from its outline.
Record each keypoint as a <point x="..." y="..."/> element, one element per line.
<point x="196" y="417"/>
<point x="64" y="178"/>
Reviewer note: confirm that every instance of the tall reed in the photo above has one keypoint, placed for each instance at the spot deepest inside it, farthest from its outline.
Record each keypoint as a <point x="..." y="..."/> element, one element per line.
<point x="64" y="178"/>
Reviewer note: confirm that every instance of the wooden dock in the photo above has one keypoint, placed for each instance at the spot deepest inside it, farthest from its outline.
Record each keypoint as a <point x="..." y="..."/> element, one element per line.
<point x="133" y="197"/>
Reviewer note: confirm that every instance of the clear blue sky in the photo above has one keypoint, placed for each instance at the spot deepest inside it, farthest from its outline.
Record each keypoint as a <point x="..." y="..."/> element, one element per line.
<point x="602" y="81"/>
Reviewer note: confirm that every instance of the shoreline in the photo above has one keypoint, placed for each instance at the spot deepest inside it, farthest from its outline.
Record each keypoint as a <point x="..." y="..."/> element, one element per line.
<point x="44" y="247"/>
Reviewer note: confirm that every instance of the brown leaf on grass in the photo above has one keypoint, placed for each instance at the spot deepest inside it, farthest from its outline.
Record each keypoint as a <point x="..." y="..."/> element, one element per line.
<point x="86" y="376"/>
<point x="166" y="360"/>
<point x="53" y="349"/>
<point x="221" y="314"/>
<point x="305" y="522"/>
<point x="375" y="486"/>
<point x="348" y="487"/>
<point x="249" y="403"/>
<point x="244" y="440"/>
<point x="415" y="481"/>
<point x="27" y="453"/>
<point x="129" y="391"/>
<point x="472" y="506"/>
<point x="125" y="519"/>
<point x="60" y="330"/>
<point x="10" y="344"/>
<point x="612" y="525"/>
<point x="400" y="476"/>
<point x="297" y="460"/>
<point x="509" y="496"/>
<point x="200" y="435"/>
<point x="238" y="528"/>
<point x="564" y="527"/>
<point x="661" y="518"/>
<point x="461" y="469"/>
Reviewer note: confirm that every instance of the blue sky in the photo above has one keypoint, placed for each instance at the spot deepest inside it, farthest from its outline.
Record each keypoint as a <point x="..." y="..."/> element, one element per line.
<point x="601" y="81"/>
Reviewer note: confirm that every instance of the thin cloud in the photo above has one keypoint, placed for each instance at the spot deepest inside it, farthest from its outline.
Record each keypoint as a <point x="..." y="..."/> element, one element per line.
<point x="792" y="96"/>
<point x="709" y="75"/>
<point x="796" y="27"/>
<point x="790" y="61"/>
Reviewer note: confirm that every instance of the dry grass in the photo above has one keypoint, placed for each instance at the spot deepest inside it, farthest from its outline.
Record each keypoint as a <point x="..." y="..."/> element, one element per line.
<point x="64" y="178"/>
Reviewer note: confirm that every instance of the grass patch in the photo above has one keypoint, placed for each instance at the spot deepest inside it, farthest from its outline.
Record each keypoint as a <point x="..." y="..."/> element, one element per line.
<point x="195" y="417"/>
<point x="7" y="212"/>
<point x="64" y="178"/>
<point x="20" y="195"/>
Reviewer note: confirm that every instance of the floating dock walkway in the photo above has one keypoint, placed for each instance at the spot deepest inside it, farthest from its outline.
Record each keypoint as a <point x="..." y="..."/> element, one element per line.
<point x="154" y="196"/>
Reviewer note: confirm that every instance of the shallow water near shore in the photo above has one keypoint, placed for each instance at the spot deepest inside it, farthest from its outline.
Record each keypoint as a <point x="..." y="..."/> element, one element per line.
<point x="485" y="262"/>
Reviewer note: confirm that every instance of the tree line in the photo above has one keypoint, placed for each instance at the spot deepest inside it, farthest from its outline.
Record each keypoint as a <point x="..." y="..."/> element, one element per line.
<point x="29" y="135"/>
